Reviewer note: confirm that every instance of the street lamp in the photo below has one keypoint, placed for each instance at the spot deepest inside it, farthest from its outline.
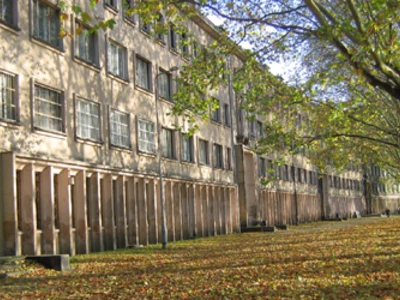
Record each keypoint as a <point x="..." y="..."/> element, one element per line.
<point x="159" y="153"/>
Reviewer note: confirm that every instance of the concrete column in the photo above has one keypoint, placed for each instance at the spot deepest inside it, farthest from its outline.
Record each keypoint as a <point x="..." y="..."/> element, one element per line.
<point x="185" y="211"/>
<point x="211" y="208"/>
<point x="158" y="210"/>
<point x="228" y="210"/>
<point x="142" y="212"/>
<point x="9" y="240"/>
<point x="218" y="210"/>
<point x="178" y="211"/>
<point x="28" y="211"/>
<point x="132" y="216"/>
<point x="205" y="211"/>
<point x="169" y="210"/>
<point x="152" y="211"/>
<point x="81" y="224"/>
<point x="47" y="211"/>
<point x="198" y="210"/>
<point x="235" y="210"/>
<point x="95" y="221"/>
<point x="222" y="210"/>
<point x="65" y="213"/>
<point x="108" y="217"/>
<point x="192" y="210"/>
<point x="120" y="208"/>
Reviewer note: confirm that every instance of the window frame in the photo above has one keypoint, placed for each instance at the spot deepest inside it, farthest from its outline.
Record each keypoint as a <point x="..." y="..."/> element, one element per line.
<point x="125" y="75"/>
<point x="259" y="129"/>
<point x="207" y="152"/>
<point x="228" y="158"/>
<point x="35" y="6"/>
<point x="62" y="108"/>
<point x="128" y="125"/>
<point x="262" y="169"/>
<point x="218" y="156"/>
<point x="77" y="99"/>
<point x="190" y="148"/>
<point x="149" y="75"/>
<point x="172" y="38"/>
<point x="14" y="95"/>
<point x="147" y="141"/>
<point x="130" y="19"/>
<point x="227" y="115"/>
<point x="13" y="23"/>
<point x="171" y="143"/>
<point x="95" y="37"/>
<point x="168" y="75"/>
<point x="216" y="114"/>
<point x="113" y="6"/>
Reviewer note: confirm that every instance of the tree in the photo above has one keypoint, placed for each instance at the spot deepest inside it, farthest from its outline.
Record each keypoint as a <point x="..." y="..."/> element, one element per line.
<point x="349" y="90"/>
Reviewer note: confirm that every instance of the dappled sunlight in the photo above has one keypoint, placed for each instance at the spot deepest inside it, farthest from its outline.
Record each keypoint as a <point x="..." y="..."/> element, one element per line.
<point x="341" y="260"/>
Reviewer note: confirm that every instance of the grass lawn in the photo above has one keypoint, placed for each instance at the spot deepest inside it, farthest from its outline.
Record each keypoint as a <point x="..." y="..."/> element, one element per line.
<point x="355" y="259"/>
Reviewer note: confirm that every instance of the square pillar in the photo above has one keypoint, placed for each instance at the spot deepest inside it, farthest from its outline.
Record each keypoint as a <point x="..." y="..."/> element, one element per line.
<point x="211" y="208"/>
<point x="65" y="213"/>
<point x="132" y="212"/>
<point x="205" y="211"/>
<point x="80" y="208"/>
<point x="47" y="211"/>
<point x="199" y="210"/>
<point x="177" y="211"/>
<point x="9" y="240"/>
<point x="108" y="218"/>
<point x="185" y="211"/>
<point x="142" y="212"/>
<point x="121" y="214"/>
<point x="152" y="211"/>
<point x="169" y="210"/>
<point x="94" y="220"/>
<point x="191" y="197"/>
<point x="28" y="211"/>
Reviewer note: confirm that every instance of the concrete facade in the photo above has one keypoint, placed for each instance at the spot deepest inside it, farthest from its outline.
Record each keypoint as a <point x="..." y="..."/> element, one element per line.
<point x="78" y="147"/>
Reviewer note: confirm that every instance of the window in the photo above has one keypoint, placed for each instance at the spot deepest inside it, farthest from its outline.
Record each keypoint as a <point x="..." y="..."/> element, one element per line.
<point x="259" y="129"/>
<point x="86" y="45"/>
<point x="261" y="167"/>
<point x="227" y="119"/>
<point x="46" y="20"/>
<point x="216" y="113"/>
<point x="185" y="45"/>
<point x="48" y="109"/>
<point x="172" y="37"/>
<point x="164" y="81"/>
<point x="146" y="137"/>
<point x="218" y="161"/>
<point x="146" y="27"/>
<point x="195" y="49"/>
<point x="159" y="27"/>
<point x="143" y="73"/>
<point x="299" y="175"/>
<point x="8" y="97"/>
<point x="168" y="142"/>
<point x="117" y="60"/>
<point x="187" y="148"/>
<point x="8" y="10"/>
<point x="203" y="152"/>
<point x="305" y="176"/>
<point x="87" y="119"/>
<point x="251" y="128"/>
<point x="128" y="4"/>
<point x="228" y="159"/>
<point x="310" y="178"/>
<point x="111" y="3"/>
<point x="286" y="172"/>
<point x="215" y="116"/>
<point x="119" y="129"/>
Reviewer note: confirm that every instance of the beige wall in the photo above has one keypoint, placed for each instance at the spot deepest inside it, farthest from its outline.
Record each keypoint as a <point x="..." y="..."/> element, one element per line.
<point x="35" y="62"/>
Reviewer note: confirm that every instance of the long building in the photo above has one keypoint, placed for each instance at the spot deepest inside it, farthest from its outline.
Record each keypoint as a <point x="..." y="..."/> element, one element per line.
<point x="79" y="165"/>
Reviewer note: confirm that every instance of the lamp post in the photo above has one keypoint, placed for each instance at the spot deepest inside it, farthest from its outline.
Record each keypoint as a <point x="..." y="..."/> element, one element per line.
<point x="159" y="154"/>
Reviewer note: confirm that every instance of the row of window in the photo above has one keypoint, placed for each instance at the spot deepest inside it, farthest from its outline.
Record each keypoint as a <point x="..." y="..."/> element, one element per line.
<point x="385" y="188"/>
<point x="286" y="173"/>
<point x="49" y="115"/>
<point x="344" y="183"/>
